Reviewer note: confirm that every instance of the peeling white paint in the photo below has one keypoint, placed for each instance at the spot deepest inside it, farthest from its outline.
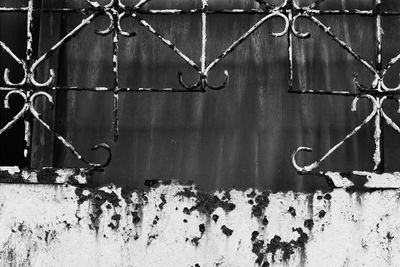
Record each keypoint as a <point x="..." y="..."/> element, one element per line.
<point x="11" y="170"/>
<point x="65" y="174"/>
<point x="384" y="180"/>
<point x="44" y="225"/>
<point x="29" y="176"/>
<point x="339" y="180"/>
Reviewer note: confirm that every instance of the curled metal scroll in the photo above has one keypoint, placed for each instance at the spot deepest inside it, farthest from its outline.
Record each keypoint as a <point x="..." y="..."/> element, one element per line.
<point x="361" y="87"/>
<point x="111" y="11"/>
<point x="377" y="84"/>
<point x="293" y="29"/>
<point x="384" y="72"/>
<point x="309" y="168"/>
<point x="6" y="49"/>
<point x="388" y="120"/>
<point x="28" y="77"/>
<point x="20" y="114"/>
<point x="313" y="5"/>
<point x="49" y="81"/>
<point x="22" y="82"/>
<point x="29" y="107"/>
<point x="203" y="77"/>
<point x="203" y="82"/>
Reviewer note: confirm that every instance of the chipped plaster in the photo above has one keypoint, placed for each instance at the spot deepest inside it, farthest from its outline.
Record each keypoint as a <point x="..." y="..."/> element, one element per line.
<point x="176" y="225"/>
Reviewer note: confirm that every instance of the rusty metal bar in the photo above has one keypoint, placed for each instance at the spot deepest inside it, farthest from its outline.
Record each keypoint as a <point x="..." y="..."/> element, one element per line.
<point x="379" y="154"/>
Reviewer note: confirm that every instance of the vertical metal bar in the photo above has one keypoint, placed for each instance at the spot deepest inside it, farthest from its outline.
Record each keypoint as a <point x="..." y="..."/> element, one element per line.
<point x="290" y="46"/>
<point x="379" y="155"/>
<point x="27" y="117"/>
<point x="203" y="41"/>
<point x="378" y="34"/>
<point x="29" y="34"/>
<point x="115" y="74"/>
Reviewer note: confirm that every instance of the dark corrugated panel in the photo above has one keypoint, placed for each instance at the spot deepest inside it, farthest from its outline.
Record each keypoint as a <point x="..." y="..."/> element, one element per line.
<point x="241" y="136"/>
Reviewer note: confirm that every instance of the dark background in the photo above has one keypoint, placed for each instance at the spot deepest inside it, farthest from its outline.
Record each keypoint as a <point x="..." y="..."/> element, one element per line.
<point x="241" y="136"/>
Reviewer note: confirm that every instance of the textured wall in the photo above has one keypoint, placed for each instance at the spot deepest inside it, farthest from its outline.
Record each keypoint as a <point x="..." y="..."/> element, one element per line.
<point x="175" y="225"/>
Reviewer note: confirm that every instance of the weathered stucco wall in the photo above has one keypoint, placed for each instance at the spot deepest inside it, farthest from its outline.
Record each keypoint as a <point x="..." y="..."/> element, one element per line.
<point x="175" y="225"/>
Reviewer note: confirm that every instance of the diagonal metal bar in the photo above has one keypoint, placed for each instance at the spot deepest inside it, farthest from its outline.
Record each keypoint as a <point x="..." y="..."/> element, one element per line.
<point x="141" y="3"/>
<point x="65" y="142"/>
<point x="309" y="168"/>
<point x="65" y="39"/>
<point x="342" y="44"/>
<point x="167" y="42"/>
<point x="242" y="38"/>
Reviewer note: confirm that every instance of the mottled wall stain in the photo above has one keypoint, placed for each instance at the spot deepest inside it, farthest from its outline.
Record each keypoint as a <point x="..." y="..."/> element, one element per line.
<point x="169" y="224"/>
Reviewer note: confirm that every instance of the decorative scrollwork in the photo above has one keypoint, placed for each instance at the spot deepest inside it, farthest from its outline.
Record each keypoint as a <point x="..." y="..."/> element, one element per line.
<point x="203" y="82"/>
<point x="29" y="107"/>
<point x="313" y="5"/>
<point x="20" y="114"/>
<point x="309" y="168"/>
<point x="295" y="31"/>
<point x="66" y="143"/>
<point x="388" y="120"/>
<point x="115" y="12"/>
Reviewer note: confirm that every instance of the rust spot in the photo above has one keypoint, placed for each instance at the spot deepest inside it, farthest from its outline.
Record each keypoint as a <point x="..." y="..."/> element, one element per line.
<point x="151" y="238"/>
<point x="309" y="223"/>
<point x="126" y="193"/>
<point x="112" y="226"/>
<point x="186" y="211"/>
<point x="135" y="217"/>
<point x="206" y="203"/>
<point x="389" y="236"/>
<point x="292" y="211"/>
<point x="276" y="244"/>
<point x="67" y="224"/>
<point x="6" y="177"/>
<point x="262" y="201"/>
<point x="258" y="249"/>
<point x="46" y="175"/>
<point x="254" y="235"/>
<point x="215" y="218"/>
<point x="156" y="219"/>
<point x="187" y="192"/>
<point x="116" y="217"/>
<point x="163" y="202"/>
<point x="156" y="183"/>
<point x="202" y="228"/>
<point x="265" y="221"/>
<point x="97" y="198"/>
<point x="195" y="241"/>
<point x="226" y="230"/>
<point x="321" y="213"/>
<point x="328" y="197"/>
<point x="252" y="194"/>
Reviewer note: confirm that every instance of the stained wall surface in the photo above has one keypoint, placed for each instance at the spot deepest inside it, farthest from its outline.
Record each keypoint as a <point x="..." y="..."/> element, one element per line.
<point x="176" y="225"/>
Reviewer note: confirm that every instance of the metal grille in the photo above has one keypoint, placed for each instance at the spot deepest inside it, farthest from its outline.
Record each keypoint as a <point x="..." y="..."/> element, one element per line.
<point x="289" y="11"/>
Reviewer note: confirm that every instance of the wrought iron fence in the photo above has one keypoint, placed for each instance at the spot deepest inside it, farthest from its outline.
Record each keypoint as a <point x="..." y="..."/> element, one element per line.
<point x="289" y="11"/>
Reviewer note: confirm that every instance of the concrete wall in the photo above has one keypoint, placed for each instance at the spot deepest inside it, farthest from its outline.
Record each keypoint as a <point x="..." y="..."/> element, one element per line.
<point x="175" y="225"/>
